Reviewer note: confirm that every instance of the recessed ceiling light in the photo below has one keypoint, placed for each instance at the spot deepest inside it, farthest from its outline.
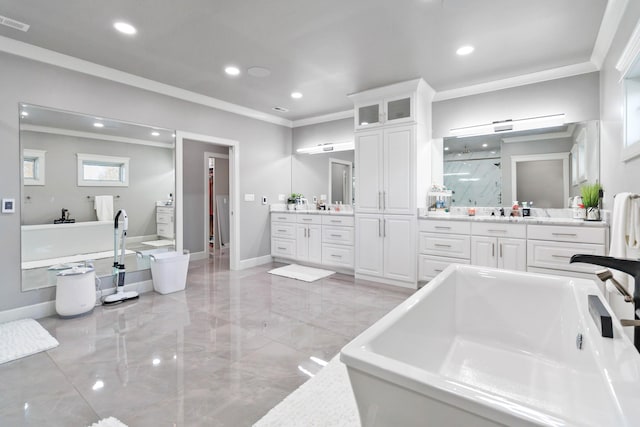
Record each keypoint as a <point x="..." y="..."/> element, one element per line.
<point x="98" y="125"/>
<point x="259" y="72"/>
<point x="154" y="133"/>
<point x="296" y="95"/>
<point x="125" y="28"/>
<point x="232" y="70"/>
<point x="446" y="148"/>
<point x="485" y="145"/>
<point x="24" y="113"/>
<point x="173" y="135"/>
<point x="280" y="109"/>
<point x="465" y="50"/>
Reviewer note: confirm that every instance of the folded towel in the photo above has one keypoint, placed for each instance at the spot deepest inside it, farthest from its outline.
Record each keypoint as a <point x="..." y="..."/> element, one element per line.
<point x="104" y="208"/>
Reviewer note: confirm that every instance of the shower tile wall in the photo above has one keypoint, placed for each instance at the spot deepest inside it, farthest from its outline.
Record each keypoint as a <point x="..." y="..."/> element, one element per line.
<point x="474" y="182"/>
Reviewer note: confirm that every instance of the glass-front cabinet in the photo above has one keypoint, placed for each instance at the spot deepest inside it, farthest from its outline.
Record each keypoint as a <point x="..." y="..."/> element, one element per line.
<point x="386" y="112"/>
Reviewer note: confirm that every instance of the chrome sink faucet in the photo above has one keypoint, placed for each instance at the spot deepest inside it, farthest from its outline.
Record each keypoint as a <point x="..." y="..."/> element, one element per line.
<point x="629" y="266"/>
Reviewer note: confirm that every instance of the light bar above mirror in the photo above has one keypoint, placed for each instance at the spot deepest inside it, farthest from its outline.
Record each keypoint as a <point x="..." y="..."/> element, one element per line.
<point x="327" y="148"/>
<point x="505" y="126"/>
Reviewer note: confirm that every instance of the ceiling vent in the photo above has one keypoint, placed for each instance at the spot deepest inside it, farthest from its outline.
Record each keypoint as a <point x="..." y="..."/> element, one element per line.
<point x="12" y="23"/>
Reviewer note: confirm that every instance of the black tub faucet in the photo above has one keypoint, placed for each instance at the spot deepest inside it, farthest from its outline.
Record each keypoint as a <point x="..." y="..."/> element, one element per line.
<point x="629" y="266"/>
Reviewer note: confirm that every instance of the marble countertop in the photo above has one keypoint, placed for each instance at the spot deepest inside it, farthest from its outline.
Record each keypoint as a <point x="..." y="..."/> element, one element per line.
<point x="278" y="209"/>
<point x="519" y="220"/>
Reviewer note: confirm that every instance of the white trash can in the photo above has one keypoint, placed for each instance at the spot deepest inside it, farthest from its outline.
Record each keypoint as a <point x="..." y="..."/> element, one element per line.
<point x="169" y="271"/>
<point x="75" y="291"/>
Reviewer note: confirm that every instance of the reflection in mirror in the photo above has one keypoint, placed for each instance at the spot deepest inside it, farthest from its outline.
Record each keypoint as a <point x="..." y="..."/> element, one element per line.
<point x="481" y="171"/>
<point x="311" y="175"/>
<point x="78" y="172"/>
<point x="341" y="175"/>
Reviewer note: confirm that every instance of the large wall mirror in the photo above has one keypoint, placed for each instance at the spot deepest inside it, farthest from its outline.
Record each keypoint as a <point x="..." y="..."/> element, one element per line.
<point x="78" y="171"/>
<point x="543" y="166"/>
<point x="327" y="174"/>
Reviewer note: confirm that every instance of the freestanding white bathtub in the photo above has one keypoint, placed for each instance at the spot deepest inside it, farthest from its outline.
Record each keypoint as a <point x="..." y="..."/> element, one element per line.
<point x="45" y="241"/>
<point x="486" y="347"/>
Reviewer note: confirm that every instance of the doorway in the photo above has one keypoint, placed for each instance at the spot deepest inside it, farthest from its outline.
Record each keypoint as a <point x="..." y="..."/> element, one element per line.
<point x="216" y="202"/>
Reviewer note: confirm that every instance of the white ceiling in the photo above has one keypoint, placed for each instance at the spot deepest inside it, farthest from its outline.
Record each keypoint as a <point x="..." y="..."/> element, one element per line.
<point x="324" y="49"/>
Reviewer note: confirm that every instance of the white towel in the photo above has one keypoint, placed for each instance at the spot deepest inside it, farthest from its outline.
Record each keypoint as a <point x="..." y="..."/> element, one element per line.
<point x="104" y="208"/>
<point x="633" y="227"/>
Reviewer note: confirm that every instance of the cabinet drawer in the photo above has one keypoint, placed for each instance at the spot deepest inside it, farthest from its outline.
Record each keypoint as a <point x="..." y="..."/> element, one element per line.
<point x="165" y="230"/>
<point x="337" y="220"/>
<point x="339" y="235"/>
<point x="164" y="218"/>
<point x="430" y="266"/>
<point x="444" y="226"/>
<point x="337" y="255"/>
<point x="567" y="234"/>
<point x="514" y="231"/>
<point x="283" y="217"/>
<point x="308" y="219"/>
<point x="556" y="255"/>
<point x="283" y="229"/>
<point x="164" y="210"/>
<point x="283" y="247"/>
<point x="456" y="246"/>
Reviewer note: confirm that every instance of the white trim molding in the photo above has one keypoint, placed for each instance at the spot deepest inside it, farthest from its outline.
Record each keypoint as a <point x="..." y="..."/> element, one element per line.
<point x="323" y="118"/>
<point x="255" y="262"/>
<point x="613" y="14"/>
<point x="36" y="53"/>
<point x="630" y="53"/>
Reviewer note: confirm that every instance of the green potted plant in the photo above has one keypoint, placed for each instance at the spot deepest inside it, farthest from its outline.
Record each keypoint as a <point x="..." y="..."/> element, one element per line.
<point x="293" y="200"/>
<point x="591" y="200"/>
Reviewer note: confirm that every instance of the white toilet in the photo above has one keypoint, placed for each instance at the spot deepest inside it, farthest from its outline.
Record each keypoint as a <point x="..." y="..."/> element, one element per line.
<point x="169" y="271"/>
<point x="75" y="291"/>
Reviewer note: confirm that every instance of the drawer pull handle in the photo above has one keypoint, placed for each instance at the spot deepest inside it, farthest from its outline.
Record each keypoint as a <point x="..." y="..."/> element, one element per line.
<point x="497" y="231"/>
<point x="281" y="248"/>
<point x="442" y="227"/>
<point x="441" y="245"/>
<point x="560" y="256"/>
<point x="565" y="234"/>
<point x="437" y="270"/>
<point x="336" y="256"/>
<point x="282" y="218"/>
<point x="306" y="219"/>
<point x="337" y="221"/>
<point x="336" y="235"/>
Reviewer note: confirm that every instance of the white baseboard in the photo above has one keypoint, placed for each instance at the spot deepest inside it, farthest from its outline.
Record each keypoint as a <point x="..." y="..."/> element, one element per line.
<point x="254" y="262"/>
<point x="377" y="279"/>
<point x="196" y="256"/>
<point x="48" y="308"/>
<point x="140" y="239"/>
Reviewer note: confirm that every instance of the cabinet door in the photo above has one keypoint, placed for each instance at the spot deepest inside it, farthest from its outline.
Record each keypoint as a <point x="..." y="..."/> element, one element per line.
<point x="368" y="115"/>
<point x="314" y="238"/>
<point x="483" y="251"/>
<point x="302" y="242"/>
<point x="399" y="109"/>
<point x="368" y="157"/>
<point x="399" y="157"/>
<point x="399" y="248"/>
<point x="369" y="244"/>
<point x="512" y="254"/>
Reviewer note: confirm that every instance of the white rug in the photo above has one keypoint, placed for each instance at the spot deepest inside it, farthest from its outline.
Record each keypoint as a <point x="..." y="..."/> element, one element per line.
<point x="108" y="422"/>
<point x="158" y="243"/>
<point x="22" y="338"/>
<point x="324" y="400"/>
<point x="27" y="265"/>
<point x="301" y="272"/>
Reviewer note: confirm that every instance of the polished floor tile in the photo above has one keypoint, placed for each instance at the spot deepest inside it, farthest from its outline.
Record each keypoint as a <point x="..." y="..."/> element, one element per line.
<point x="221" y="353"/>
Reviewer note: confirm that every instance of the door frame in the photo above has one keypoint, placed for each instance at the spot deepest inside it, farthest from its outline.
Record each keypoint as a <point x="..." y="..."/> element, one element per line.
<point x="349" y="164"/>
<point x="234" y="191"/>
<point x="208" y="155"/>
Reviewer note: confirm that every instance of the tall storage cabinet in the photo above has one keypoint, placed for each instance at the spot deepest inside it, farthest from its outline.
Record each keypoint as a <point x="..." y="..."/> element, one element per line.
<point x="393" y="173"/>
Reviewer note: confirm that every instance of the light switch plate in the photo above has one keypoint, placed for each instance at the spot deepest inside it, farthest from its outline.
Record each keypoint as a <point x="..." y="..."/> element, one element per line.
<point x="249" y="197"/>
<point x="8" y="205"/>
<point x="264" y="200"/>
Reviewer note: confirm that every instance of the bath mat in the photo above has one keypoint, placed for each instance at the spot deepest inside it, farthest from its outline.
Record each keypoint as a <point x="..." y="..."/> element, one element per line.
<point x="158" y="243"/>
<point x="324" y="400"/>
<point x="300" y="272"/>
<point x="22" y="338"/>
<point x="108" y="422"/>
<point x="28" y="265"/>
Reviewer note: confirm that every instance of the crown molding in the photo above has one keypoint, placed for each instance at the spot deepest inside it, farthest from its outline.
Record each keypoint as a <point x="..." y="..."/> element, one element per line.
<point x="630" y="52"/>
<point x="323" y="118"/>
<point x="608" y="27"/>
<point x="92" y="135"/>
<point x="522" y="80"/>
<point x="35" y="53"/>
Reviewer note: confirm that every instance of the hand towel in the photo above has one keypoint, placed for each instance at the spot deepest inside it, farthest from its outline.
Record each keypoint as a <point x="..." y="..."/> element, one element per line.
<point x="633" y="226"/>
<point x="104" y="208"/>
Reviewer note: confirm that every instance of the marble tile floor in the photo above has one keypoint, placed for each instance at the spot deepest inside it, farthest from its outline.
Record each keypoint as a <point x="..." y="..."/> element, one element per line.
<point x="221" y="353"/>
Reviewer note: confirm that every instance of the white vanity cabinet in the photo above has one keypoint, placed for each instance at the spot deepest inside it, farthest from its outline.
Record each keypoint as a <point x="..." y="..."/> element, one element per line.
<point x="387" y="111"/>
<point x="441" y="243"/>
<point x="338" y="237"/>
<point x="499" y="245"/>
<point x="165" y="222"/>
<point x="309" y="238"/>
<point x="386" y="249"/>
<point x="283" y="235"/>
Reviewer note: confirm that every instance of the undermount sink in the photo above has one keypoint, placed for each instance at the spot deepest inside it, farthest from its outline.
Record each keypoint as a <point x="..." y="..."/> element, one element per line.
<point x="488" y="347"/>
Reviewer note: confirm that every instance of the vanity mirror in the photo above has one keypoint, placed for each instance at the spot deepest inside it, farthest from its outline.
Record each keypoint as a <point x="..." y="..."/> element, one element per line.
<point x="321" y="174"/>
<point x="78" y="171"/>
<point x="544" y="166"/>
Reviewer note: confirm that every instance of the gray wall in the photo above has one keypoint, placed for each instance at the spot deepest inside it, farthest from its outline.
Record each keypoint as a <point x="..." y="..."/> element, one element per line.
<point x="310" y="172"/>
<point x="265" y="149"/>
<point x="151" y="178"/>
<point x="577" y="97"/>
<point x="616" y="175"/>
